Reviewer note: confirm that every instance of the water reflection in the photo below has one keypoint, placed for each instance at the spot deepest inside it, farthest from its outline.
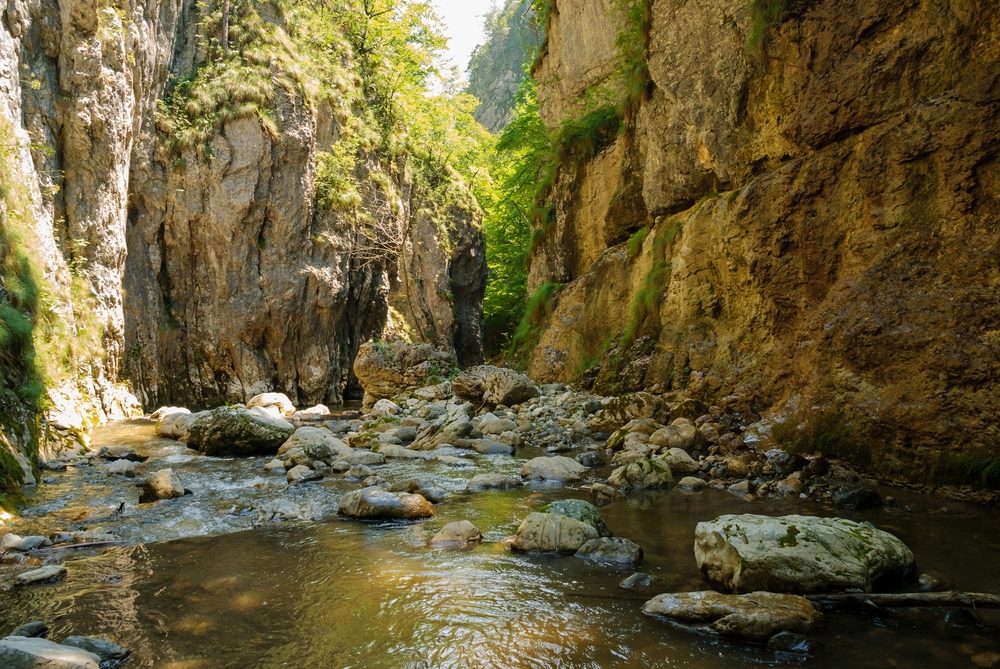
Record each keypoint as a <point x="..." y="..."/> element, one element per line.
<point x="337" y="593"/>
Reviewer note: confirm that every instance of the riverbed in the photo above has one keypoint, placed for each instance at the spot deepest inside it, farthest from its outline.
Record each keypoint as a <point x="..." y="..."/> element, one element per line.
<point x="194" y="584"/>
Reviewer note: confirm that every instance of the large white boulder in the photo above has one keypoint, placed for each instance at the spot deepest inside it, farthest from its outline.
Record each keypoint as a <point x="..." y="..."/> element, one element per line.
<point x="801" y="554"/>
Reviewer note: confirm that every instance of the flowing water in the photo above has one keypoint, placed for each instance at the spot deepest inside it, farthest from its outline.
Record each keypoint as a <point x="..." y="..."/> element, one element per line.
<point x="196" y="586"/>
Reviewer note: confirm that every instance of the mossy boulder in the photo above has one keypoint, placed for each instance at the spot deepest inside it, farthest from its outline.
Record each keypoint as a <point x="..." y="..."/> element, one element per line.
<point x="581" y="510"/>
<point x="800" y="554"/>
<point x="238" y="431"/>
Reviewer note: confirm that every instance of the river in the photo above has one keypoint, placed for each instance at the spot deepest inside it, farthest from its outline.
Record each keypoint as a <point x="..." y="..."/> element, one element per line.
<point x="195" y="586"/>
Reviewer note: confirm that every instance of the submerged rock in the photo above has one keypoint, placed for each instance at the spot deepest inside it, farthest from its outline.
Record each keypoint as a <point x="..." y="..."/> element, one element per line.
<point x="277" y="510"/>
<point x="378" y="503"/>
<point x="238" y="431"/>
<point x="552" y="532"/>
<point x="753" y="617"/>
<point x="46" y="574"/>
<point x="857" y="498"/>
<point x="637" y="581"/>
<point x="458" y="534"/>
<point x="803" y="554"/>
<point x="553" y="468"/>
<point x="481" y="482"/>
<point x="34" y="629"/>
<point x="108" y="651"/>
<point x="30" y="653"/>
<point x="613" y="551"/>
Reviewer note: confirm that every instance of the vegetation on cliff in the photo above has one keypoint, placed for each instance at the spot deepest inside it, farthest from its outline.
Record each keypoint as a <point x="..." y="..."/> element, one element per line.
<point x="497" y="67"/>
<point x="368" y="64"/>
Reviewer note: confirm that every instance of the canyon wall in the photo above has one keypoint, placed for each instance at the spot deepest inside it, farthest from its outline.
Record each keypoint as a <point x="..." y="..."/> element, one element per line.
<point x="212" y="271"/>
<point x="808" y="219"/>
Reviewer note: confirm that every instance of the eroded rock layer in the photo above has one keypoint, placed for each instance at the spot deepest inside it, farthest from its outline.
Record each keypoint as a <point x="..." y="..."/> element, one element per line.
<point x="809" y="220"/>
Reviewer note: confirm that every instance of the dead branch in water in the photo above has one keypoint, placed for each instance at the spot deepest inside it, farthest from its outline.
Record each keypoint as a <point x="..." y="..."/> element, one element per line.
<point x="973" y="600"/>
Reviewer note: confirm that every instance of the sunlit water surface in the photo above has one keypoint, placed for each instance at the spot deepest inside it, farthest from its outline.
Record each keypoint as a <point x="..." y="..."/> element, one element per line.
<point x="196" y="587"/>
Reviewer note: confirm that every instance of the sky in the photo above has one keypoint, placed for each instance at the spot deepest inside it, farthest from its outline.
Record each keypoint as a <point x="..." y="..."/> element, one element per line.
<point x="463" y="22"/>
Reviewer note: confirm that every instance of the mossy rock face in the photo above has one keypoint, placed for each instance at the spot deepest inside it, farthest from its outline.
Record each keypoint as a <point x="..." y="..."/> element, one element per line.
<point x="581" y="510"/>
<point x="800" y="554"/>
<point x="238" y="431"/>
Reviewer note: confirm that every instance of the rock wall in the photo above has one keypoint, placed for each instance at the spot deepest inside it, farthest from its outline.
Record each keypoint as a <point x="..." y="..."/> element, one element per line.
<point x="212" y="276"/>
<point x="813" y="220"/>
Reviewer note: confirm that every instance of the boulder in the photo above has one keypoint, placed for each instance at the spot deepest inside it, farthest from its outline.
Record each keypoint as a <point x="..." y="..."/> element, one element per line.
<point x="18" y="652"/>
<point x="46" y="574"/>
<point x="552" y="532"/>
<point x="680" y="434"/>
<point x="175" y="425"/>
<point x="753" y="617"/>
<point x="638" y="581"/>
<point x="645" y="473"/>
<point x="314" y="443"/>
<point x="641" y="428"/>
<point x="801" y="554"/>
<point x="386" y="369"/>
<point x="581" y="510"/>
<point x="612" y="551"/>
<point x="115" y="453"/>
<point x="434" y="493"/>
<point x="621" y="410"/>
<point x="359" y="456"/>
<point x="489" y="447"/>
<point x="108" y="651"/>
<point x="277" y="401"/>
<point x="238" y="431"/>
<point x="394" y="451"/>
<point x="486" y="384"/>
<point x="121" y="468"/>
<point x="455" y="461"/>
<point x="481" y="482"/>
<point x="302" y="474"/>
<point x="14" y="542"/>
<point x="162" y="484"/>
<point x="507" y="387"/>
<point x="34" y="629"/>
<point x="691" y="484"/>
<point x="277" y="510"/>
<point x="378" y="503"/>
<point x="553" y="468"/>
<point x="163" y="412"/>
<point x="458" y="534"/>
<point x="490" y="424"/>
<point x="680" y="462"/>
<point x="857" y="498"/>
<point x="384" y="407"/>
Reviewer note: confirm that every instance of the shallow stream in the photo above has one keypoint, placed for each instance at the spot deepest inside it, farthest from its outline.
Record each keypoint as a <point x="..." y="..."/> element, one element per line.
<point x="196" y="586"/>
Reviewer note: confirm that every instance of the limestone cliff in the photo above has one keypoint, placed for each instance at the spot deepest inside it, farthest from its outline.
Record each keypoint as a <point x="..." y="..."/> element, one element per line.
<point x="235" y="262"/>
<point x="804" y="212"/>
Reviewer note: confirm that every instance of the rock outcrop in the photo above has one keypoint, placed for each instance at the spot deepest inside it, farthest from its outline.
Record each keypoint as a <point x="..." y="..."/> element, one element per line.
<point x="767" y="221"/>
